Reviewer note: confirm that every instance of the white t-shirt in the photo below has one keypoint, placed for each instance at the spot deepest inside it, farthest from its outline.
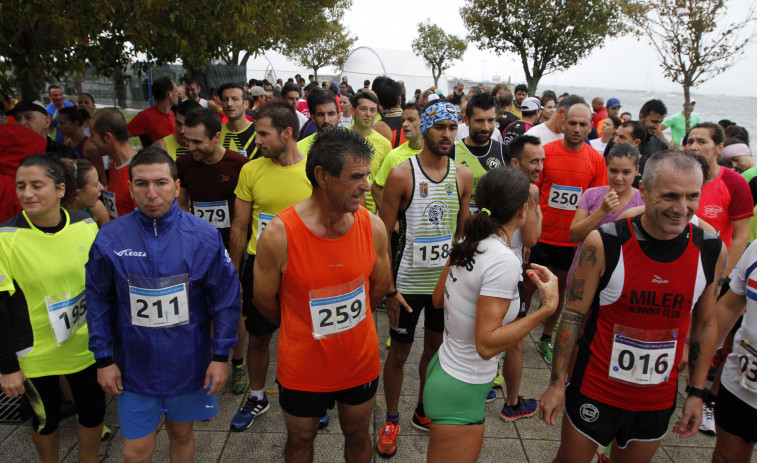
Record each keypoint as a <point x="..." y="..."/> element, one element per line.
<point x="598" y="145"/>
<point x="463" y="131"/>
<point x="494" y="272"/>
<point x="744" y="283"/>
<point x="303" y="119"/>
<point x="544" y="133"/>
<point x="345" y="122"/>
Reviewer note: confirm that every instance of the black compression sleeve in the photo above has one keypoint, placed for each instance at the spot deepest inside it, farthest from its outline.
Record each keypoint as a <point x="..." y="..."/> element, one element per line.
<point x="8" y="359"/>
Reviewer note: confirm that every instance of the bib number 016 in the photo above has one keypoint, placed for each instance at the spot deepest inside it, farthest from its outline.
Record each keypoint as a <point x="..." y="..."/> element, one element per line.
<point x="640" y="362"/>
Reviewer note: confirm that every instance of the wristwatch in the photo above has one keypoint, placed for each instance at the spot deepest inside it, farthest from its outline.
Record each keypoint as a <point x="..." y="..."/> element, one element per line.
<point x="696" y="392"/>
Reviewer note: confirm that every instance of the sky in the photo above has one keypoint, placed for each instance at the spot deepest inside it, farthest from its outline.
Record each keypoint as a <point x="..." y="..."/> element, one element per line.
<point x="625" y="63"/>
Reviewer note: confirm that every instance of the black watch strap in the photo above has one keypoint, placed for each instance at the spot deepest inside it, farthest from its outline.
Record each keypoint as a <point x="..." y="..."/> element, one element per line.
<point x="696" y="392"/>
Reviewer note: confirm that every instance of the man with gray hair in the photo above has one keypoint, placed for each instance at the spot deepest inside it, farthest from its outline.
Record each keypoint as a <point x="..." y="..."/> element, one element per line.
<point x="641" y="282"/>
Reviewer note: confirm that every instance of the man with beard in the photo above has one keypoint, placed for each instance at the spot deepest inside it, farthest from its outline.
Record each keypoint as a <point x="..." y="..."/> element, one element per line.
<point x="209" y="175"/>
<point x="478" y="152"/>
<point x="429" y="194"/>
<point x="267" y="185"/>
<point x="325" y="115"/>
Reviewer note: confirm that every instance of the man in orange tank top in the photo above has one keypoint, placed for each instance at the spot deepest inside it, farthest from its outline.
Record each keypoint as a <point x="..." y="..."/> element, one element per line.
<point x="321" y="265"/>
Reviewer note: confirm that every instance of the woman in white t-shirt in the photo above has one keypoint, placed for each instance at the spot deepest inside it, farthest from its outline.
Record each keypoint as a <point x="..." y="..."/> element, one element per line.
<point x="479" y="291"/>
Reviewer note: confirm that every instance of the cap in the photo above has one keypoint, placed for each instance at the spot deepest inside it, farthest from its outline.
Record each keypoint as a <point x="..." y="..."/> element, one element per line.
<point x="439" y="92"/>
<point x="258" y="91"/>
<point x="28" y="105"/>
<point x="737" y="149"/>
<point x="432" y="97"/>
<point x="530" y="104"/>
<point x="613" y="103"/>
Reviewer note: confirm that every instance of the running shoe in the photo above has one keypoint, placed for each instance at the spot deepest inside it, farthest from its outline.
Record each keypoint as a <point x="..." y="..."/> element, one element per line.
<point x="603" y="459"/>
<point x="524" y="409"/>
<point x="105" y="433"/>
<point x="386" y="444"/>
<point x="252" y="408"/>
<point x="323" y="421"/>
<point x="499" y="380"/>
<point x="239" y="379"/>
<point x="420" y="422"/>
<point x="545" y="349"/>
<point x="491" y="396"/>
<point x="708" y="419"/>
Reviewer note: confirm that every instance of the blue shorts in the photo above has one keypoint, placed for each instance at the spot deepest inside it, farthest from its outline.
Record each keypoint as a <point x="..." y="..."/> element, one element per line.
<point x="139" y="415"/>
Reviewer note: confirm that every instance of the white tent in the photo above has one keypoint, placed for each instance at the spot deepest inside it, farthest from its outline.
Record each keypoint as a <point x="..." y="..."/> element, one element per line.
<point x="367" y="63"/>
<point x="363" y="63"/>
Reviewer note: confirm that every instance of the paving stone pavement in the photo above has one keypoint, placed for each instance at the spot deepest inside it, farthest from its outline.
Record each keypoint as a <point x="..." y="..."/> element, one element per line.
<point x="527" y="440"/>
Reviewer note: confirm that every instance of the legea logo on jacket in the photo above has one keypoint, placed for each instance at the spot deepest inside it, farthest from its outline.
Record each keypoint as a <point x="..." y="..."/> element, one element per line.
<point x="130" y="253"/>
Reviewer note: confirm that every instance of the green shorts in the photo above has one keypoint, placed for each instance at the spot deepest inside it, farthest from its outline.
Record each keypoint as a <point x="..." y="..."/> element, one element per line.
<point x="447" y="400"/>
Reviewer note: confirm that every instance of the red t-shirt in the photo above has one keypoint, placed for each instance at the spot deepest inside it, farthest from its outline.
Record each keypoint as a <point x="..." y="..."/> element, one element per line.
<point x="153" y="123"/>
<point x="599" y="116"/>
<point x="118" y="185"/>
<point x="724" y="200"/>
<point x="565" y="177"/>
<point x="214" y="184"/>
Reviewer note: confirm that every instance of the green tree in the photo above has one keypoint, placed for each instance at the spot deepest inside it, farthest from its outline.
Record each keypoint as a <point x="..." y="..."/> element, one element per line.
<point x="437" y="48"/>
<point x="330" y="46"/>
<point x="692" y="39"/>
<point x="43" y="40"/>
<point x="547" y="35"/>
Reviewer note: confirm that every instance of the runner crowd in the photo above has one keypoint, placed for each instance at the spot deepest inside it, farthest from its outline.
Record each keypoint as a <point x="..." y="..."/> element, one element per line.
<point x="305" y="208"/>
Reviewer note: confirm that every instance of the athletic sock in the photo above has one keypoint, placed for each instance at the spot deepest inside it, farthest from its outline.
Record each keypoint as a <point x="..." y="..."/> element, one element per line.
<point x="546" y="337"/>
<point x="393" y="418"/>
<point x="257" y="395"/>
<point x="237" y="362"/>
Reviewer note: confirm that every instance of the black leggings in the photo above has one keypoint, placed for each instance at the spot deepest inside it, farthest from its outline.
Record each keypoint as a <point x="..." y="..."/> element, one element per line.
<point x="43" y="394"/>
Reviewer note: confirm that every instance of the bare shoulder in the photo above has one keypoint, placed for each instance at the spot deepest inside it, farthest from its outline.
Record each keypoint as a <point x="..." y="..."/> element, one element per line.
<point x="378" y="227"/>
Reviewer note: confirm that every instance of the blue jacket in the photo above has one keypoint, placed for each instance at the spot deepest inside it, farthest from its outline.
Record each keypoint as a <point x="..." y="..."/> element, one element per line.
<point x="139" y="251"/>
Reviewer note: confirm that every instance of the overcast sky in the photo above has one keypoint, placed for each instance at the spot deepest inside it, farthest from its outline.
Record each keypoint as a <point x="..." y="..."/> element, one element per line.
<point x="622" y="63"/>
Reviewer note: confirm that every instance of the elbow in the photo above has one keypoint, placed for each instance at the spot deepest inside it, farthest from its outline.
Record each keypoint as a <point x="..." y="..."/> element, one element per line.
<point x="485" y="352"/>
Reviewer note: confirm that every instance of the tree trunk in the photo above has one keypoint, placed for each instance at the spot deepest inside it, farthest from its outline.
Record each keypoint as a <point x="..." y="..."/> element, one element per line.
<point x="686" y="106"/>
<point x="315" y="74"/>
<point x="436" y="76"/>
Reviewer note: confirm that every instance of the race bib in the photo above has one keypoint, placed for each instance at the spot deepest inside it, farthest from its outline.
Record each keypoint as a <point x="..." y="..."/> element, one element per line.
<point x="337" y="309"/>
<point x="159" y="307"/>
<point x="747" y="365"/>
<point x="217" y="213"/>
<point x="65" y="315"/>
<point x="109" y="199"/>
<point x="564" y="197"/>
<point x="431" y="252"/>
<point x="263" y="220"/>
<point x="642" y="362"/>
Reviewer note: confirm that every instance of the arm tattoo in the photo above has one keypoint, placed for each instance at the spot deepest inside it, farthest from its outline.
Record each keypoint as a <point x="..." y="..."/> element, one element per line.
<point x="576" y="290"/>
<point x="553" y="378"/>
<point x="695" y="350"/>
<point x="588" y="254"/>
<point x="572" y="318"/>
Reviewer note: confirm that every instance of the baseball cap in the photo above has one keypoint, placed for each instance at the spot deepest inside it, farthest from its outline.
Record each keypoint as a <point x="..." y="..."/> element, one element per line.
<point x="613" y="103"/>
<point x="530" y="104"/>
<point x="258" y="91"/>
<point x="28" y="105"/>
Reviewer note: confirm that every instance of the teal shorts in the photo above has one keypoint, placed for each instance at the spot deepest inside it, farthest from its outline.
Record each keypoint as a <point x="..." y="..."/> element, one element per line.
<point x="447" y="400"/>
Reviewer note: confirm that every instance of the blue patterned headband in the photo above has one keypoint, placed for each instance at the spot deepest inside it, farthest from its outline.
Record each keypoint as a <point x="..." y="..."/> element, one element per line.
<point x="437" y="112"/>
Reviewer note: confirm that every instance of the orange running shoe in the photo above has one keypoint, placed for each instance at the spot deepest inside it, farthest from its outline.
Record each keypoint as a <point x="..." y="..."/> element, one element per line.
<point x="420" y="422"/>
<point x="386" y="444"/>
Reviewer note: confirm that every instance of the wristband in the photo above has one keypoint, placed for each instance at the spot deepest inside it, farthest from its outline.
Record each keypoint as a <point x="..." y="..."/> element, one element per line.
<point x="392" y="294"/>
<point x="696" y="392"/>
<point x="221" y="358"/>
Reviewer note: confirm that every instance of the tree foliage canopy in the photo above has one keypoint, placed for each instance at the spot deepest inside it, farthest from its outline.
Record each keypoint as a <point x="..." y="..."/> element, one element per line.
<point x="45" y="39"/>
<point x="331" y="46"/>
<point x="547" y="35"/>
<point x="437" y="48"/>
<point x="692" y="38"/>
